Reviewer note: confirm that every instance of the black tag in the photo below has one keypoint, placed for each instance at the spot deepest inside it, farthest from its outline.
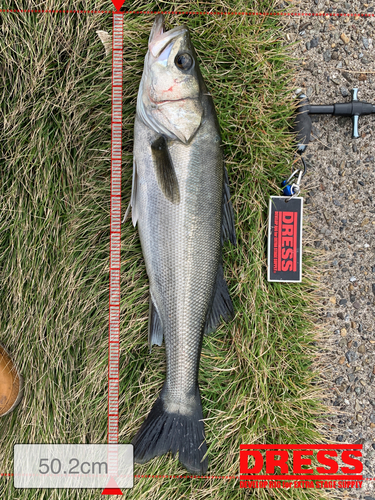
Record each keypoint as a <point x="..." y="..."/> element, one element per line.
<point x="285" y="239"/>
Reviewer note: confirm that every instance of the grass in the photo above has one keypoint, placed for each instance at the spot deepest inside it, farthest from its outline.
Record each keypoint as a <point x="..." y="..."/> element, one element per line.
<point x="256" y="374"/>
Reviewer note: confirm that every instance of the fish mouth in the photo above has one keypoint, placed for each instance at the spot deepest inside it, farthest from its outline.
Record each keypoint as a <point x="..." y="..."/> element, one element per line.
<point x="162" y="40"/>
<point x="166" y="101"/>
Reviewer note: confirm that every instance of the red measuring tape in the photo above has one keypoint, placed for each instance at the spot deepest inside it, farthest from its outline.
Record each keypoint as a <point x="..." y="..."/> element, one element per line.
<point x="114" y="259"/>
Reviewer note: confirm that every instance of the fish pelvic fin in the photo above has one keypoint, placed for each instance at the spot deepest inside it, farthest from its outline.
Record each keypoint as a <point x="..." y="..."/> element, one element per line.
<point x="174" y="431"/>
<point x="133" y="199"/>
<point x="228" y="231"/>
<point x="221" y="303"/>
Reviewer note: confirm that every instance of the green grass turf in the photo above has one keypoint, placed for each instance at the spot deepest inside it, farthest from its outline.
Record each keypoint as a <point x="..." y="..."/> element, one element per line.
<point x="256" y="373"/>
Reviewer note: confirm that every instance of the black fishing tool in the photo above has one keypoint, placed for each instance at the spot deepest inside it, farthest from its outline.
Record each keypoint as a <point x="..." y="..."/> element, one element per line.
<point x="353" y="109"/>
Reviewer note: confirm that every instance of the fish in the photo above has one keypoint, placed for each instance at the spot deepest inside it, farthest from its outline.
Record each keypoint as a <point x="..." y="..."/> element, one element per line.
<point x="181" y="203"/>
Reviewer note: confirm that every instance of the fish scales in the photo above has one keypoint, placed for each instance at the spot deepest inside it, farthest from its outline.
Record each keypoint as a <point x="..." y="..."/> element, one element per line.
<point x="181" y="246"/>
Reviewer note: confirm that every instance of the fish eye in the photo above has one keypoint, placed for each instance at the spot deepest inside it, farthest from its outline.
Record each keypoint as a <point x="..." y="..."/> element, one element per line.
<point x="184" y="61"/>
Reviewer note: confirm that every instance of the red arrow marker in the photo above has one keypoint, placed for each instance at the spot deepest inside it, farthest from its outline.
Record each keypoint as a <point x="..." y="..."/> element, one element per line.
<point x="112" y="488"/>
<point x="118" y="3"/>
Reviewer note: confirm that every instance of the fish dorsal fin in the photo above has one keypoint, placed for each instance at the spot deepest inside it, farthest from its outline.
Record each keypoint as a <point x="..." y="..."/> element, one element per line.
<point x="164" y="170"/>
<point x="221" y="303"/>
<point x="228" y="231"/>
<point x="155" y="328"/>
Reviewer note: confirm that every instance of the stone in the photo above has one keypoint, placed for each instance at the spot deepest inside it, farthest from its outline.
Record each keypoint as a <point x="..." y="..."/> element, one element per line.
<point x="332" y="300"/>
<point x="362" y="349"/>
<point x="314" y="42"/>
<point x="358" y="390"/>
<point x="327" y="55"/>
<point x="344" y="91"/>
<point x="343" y="302"/>
<point x="356" y="304"/>
<point x="347" y="76"/>
<point x="343" y="332"/>
<point x="351" y="356"/>
<point x="345" y="38"/>
<point x="365" y="42"/>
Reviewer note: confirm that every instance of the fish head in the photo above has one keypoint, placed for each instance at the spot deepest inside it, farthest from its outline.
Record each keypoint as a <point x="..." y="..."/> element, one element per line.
<point x="172" y="85"/>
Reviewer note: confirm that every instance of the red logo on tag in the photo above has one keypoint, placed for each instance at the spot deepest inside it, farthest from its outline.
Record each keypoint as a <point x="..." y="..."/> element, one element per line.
<point x="286" y="466"/>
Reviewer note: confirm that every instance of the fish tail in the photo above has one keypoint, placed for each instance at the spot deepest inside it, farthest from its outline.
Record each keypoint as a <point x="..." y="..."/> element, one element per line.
<point x="174" y="431"/>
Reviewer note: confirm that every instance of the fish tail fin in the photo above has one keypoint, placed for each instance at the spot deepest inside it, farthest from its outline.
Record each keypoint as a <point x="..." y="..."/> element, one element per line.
<point x="181" y="429"/>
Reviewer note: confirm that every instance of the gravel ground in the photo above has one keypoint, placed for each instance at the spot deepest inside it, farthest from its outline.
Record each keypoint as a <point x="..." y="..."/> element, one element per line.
<point x="336" y="55"/>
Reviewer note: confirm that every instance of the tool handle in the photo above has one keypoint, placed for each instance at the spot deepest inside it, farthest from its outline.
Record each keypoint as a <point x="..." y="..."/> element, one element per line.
<point x="321" y="109"/>
<point x="302" y="124"/>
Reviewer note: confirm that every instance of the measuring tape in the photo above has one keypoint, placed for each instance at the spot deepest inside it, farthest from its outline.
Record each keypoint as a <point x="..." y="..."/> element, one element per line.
<point x="114" y="259"/>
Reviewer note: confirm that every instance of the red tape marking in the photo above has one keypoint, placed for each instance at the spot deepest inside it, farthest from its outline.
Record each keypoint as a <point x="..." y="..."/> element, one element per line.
<point x="114" y="255"/>
<point x="193" y="13"/>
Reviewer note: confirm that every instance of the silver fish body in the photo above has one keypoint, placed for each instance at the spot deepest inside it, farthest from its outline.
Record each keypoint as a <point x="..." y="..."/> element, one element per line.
<point x="180" y="201"/>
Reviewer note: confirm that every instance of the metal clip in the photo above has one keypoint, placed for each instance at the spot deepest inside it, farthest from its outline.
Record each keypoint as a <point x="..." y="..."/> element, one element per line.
<point x="292" y="190"/>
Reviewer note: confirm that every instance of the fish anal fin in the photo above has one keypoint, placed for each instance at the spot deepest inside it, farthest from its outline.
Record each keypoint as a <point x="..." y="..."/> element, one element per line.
<point x="155" y="327"/>
<point x="164" y="170"/>
<point x="221" y="304"/>
<point x="228" y="231"/>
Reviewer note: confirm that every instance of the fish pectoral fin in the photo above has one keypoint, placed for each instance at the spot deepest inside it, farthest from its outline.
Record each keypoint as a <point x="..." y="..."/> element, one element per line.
<point x="164" y="170"/>
<point x="106" y="40"/>
<point x="155" y="327"/>
<point x="228" y="231"/>
<point x="221" y="304"/>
